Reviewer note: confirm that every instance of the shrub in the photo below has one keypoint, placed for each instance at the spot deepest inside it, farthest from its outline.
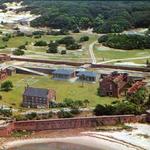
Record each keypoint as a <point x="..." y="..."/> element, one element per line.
<point x="6" y="86"/>
<point x="63" y="52"/>
<point x="73" y="46"/>
<point x="40" y="43"/>
<point x="84" y="38"/>
<point x="22" y="47"/>
<point x="53" y="47"/>
<point x="75" y="111"/>
<point x="67" y="40"/>
<point x="64" y="114"/>
<point x="38" y="33"/>
<point x="31" y="116"/>
<point x="18" y="52"/>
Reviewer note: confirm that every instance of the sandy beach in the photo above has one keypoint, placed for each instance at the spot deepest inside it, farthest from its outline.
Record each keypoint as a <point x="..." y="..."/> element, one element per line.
<point x="136" y="139"/>
<point x="91" y="142"/>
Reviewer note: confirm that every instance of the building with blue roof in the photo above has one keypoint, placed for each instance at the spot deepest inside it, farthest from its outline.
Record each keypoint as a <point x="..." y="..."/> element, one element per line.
<point x="87" y="76"/>
<point x="63" y="74"/>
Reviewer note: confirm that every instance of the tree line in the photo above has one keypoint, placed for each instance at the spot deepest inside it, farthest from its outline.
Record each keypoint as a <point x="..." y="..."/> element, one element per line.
<point x="125" y="41"/>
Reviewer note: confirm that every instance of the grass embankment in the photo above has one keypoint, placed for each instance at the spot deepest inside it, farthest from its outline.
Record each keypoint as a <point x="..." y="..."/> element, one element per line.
<point x="107" y="53"/>
<point x="64" y="89"/>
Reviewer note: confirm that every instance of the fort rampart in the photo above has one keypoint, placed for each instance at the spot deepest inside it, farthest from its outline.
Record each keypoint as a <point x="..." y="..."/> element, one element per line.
<point x="70" y="123"/>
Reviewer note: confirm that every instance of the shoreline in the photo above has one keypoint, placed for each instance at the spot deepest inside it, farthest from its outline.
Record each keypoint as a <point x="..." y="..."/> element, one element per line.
<point x="77" y="136"/>
<point x="79" y="140"/>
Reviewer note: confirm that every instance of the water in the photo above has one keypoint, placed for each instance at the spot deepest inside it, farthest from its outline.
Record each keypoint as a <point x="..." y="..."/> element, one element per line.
<point x="54" y="146"/>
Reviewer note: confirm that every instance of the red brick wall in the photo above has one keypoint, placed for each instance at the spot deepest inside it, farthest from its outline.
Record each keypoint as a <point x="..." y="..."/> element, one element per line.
<point x="6" y="131"/>
<point x="54" y="124"/>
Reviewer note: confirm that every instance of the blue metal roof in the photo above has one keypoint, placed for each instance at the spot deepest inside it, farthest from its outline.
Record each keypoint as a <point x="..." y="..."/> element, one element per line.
<point x="87" y="73"/>
<point x="63" y="71"/>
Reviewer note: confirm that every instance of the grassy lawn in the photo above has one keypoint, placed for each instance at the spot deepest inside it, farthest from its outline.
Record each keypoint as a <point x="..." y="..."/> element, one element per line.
<point x="40" y="52"/>
<point x="64" y="89"/>
<point x="109" y="54"/>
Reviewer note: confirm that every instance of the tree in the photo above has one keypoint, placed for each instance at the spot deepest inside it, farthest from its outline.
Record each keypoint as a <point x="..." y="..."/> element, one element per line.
<point x="22" y="47"/>
<point x="86" y="102"/>
<point x="18" y="52"/>
<point x="84" y="39"/>
<point x="73" y="46"/>
<point x="52" y="47"/>
<point x="64" y="114"/>
<point x="139" y="97"/>
<point x="99" y="110"/>
<point x="68" y="40"/>
<point x="40" y="43"/>
<point x="6" y="86"/>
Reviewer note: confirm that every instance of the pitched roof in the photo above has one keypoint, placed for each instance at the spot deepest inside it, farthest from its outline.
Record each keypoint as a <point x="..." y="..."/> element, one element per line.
<point x="87" y="73"/>
<point x="63" y="71"/>
<point x="136" y="86"/>
<point x="39" y="92"/>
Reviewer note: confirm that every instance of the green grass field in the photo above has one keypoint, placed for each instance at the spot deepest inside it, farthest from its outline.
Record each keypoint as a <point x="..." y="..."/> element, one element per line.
<point x="109" y="54"/>
<point x="64" y="89"/>
<point x="40" y="52"/>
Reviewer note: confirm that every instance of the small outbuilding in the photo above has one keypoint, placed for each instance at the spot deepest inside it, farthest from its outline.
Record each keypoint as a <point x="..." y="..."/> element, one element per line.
<point x="87" y="76"/>
<point x="11" y="71"/>
<point x="63" y="74"/>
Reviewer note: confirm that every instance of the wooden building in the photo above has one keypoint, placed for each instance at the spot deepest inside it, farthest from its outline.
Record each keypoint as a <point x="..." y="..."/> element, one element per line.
<point x="63" y="74"/>
<point x="38" y="97"/>
<point x="87" y="76"/>
<point x="113" y="84"/>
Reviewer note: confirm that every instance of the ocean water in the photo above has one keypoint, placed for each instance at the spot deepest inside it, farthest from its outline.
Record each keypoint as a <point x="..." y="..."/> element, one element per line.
<point x="54" y="146"/>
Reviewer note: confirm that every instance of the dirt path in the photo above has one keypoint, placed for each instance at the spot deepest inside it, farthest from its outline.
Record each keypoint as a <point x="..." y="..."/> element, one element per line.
<point x="126" y="59"/>
<point x="93" y="58"/>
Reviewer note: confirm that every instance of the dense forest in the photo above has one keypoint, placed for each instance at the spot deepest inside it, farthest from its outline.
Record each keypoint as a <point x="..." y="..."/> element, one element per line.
<point x="102" y="16"/>
<point x="124" y="41"/>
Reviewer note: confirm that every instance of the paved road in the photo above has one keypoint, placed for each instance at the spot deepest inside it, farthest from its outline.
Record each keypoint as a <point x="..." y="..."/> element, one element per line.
<point x="93" y="58"/>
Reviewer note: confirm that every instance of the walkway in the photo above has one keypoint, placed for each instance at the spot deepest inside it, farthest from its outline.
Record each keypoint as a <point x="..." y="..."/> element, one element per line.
<point x="93" y="58"/>
<point x="31" y="71"/>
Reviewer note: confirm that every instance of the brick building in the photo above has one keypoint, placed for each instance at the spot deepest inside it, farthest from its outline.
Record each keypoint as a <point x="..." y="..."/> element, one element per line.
<point x="113" y="84"/>
<point x="3" y="73"/>
<point x="135" y="87"/>
<point x="4" y="57"/>
<point x="38" y="97"/>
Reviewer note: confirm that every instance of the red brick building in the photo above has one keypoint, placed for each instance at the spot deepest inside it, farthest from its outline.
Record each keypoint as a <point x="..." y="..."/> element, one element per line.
<point x="37" y="97"/>
<point x="135" y="87"/>
<point x="3" y="73"/>
<point x="4" y="57"/>
<point x="113" y="84"/>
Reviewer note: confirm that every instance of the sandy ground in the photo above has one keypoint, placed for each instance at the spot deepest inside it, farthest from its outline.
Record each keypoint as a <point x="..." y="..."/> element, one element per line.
<point x="107" y="140"/>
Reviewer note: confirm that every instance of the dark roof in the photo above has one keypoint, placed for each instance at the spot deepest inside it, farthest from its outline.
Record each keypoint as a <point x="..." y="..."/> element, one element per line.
<point x="87" y="73"/>
<point x="63" y="71"/>
<point x="30" y="91"/>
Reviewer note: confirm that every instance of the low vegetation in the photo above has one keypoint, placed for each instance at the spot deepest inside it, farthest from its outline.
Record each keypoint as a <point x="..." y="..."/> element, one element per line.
<point x="18" y="52"/>
<point x="6" y="86"/>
